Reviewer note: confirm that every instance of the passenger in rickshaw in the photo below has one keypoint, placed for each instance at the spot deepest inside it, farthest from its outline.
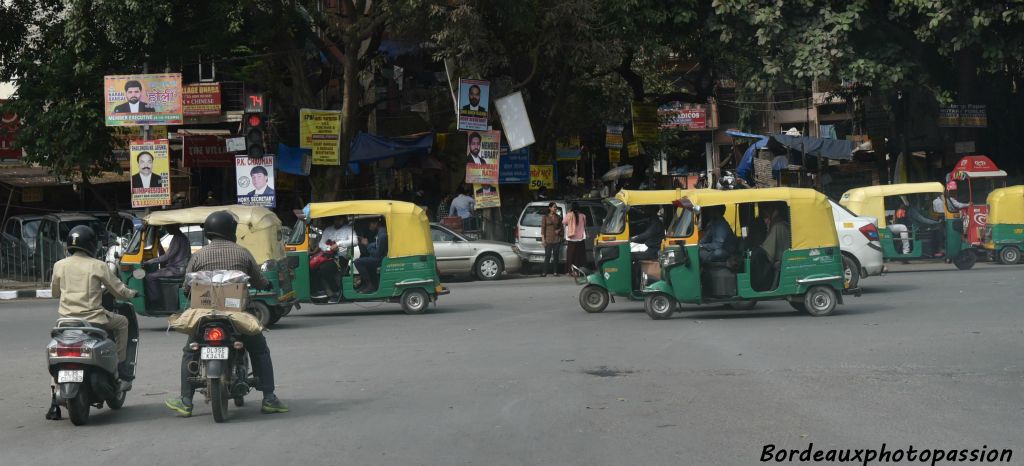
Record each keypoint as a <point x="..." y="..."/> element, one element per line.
<point x="897" y="225"/>
<point x="334" y="244"/>
<point x="718" y="243"/>
<point x="376" y="251"/>
<point x="172" y="263"/>
<point x="766" y="260"/>
<point x="651" y="237"/>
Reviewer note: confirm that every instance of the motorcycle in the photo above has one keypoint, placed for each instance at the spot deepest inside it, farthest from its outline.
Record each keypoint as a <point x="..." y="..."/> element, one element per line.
<point x="220" y="369"/>
<point x="82" y="359"/>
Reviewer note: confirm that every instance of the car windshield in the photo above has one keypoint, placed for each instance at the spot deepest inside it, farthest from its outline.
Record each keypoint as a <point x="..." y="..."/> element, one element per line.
<point x="615" y="219"/>
<point x="682" y="226"/>
<point x="532" y="215"/>
<point x="30" y="229"/>
<point x="65" y="227"/>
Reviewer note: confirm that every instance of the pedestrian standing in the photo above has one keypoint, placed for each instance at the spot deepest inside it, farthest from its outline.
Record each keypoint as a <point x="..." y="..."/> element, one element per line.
<point x="575" y="232"/>
<point x="551" y="232"/>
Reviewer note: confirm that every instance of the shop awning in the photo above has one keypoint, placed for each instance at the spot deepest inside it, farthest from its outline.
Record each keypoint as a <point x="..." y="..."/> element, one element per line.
<point x="368" y="148"/>
<point x="835" y="149"/>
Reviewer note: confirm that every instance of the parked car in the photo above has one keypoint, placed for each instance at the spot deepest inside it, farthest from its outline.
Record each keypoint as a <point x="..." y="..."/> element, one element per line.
<point x="53" y="233"/>
<point x="859" y="243"/>
<point x="528" y="237"/>
<point x="457" y="254"/>
<point x="19" y="232"/>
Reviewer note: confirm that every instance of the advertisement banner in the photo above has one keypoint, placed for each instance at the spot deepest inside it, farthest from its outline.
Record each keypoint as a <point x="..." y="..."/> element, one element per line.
<point x="474" y="99"/>
<point x="486" y="196"/>
<point x="255" y="180"/>
<point x="963" y="116"/>
<point x="151" y="173"/>
<point x="687" y="117"/>
<point x="613" y="136"/>
<point x="206" y="151"/>
<point x="645" y="122"/>
<point x="542" y="175"/>
<point x="9" y="124"/>
<point x="482" y="154"/>
<point x="514" y="166"/>
<point x="143" y="99"/>
<point x="614" y="155"/>
<point x="568" y="150"/>
<point x="320" y="131"/>
<point x="201" y="99"/>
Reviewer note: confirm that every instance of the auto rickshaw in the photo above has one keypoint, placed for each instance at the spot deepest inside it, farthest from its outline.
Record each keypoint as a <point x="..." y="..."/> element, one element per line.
<point x="1004" y="228"/>
<point x="976" y="176"/>
<point x="408" y="275"/>
<point x="615" y="274"/>
<point x="259" y="231"/>
<point x="929" y="238"/>
<point x="808" y="274"/>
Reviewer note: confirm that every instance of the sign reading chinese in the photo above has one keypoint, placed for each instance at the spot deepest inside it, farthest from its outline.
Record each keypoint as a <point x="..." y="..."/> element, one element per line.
<point x="963" y="116"/>
<point x="254" y="178"/>
<point x="320" y="131"/>
<point x="206" y="151"/>
<point x="613" y="136"/>
<point x="474" y="98"/>
<point x="9" y="123"/>
<point x="143" y="99"/>
<point x="151" y="178"/>
<point x="514" y="166"/>
<point x="482" y="153"/>
<point x="486" y="196"/>
<point x="542" y="175"/>
<point x="201" y="99"/>
<point x="645" y="122"/>
<point x="687" y="117"/>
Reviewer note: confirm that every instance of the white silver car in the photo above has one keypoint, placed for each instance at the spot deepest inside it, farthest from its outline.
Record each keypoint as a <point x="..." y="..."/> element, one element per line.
<point x="456" y="254"/>
<point x="859" y="243"/>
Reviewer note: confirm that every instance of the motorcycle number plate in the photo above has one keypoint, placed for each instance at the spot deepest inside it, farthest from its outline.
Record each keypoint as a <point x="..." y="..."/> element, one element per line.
<point x="70" y="376"/>
<point x="214" y="352"/>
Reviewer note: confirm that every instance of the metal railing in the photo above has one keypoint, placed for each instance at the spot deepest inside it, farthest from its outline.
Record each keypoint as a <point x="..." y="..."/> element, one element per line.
<point x="21" y="267"/>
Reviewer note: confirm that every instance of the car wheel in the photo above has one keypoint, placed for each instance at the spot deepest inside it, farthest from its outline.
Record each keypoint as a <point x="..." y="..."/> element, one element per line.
<point x="851" y="272"/>
<point x="1009" y="255"/>
<point x="489" y="267"/>
<point x="820" y="300"/>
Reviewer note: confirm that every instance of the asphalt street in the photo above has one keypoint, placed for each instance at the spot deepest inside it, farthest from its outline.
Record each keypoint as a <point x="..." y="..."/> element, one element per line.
<point x="514" y="372"/>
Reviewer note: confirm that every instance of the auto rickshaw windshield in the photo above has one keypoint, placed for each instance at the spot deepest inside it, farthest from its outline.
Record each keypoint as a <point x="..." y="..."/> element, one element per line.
<point x="615" y="219"/>
<point x="682" y="226"/>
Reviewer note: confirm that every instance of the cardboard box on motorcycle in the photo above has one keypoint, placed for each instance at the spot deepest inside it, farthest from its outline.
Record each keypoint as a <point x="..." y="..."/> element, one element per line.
<point x="217" y="298"/>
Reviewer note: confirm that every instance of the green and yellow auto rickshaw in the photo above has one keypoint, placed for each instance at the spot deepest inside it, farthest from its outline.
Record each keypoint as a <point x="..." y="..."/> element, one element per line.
<point x="616" y="274"/>
<point x="808" y="273"/>
<point x="927" y="234"/>
<point x="259" y="231"/>
<point x="1004" y="228"/>
<point x="408" y="275"/>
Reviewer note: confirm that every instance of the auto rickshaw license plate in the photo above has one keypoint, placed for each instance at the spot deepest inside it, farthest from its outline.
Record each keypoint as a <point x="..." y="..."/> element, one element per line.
<point x="70" y="376"/>
<point x="214" y="352"/>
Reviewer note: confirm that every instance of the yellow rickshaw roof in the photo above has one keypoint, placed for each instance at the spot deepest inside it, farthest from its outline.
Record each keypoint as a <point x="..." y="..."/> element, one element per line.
<point x="1006" y="206"/>
<point x="659" y="197"/>
<point x="870" y="200"/>
<point x="257" y="231"/>
<point x="407" y="225"/>
<point x="810" y="214"/>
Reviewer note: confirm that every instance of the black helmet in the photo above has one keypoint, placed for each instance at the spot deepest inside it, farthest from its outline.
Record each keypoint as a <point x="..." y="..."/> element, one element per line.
<point x="82" y="238"/>
<point x="220" y="224"/>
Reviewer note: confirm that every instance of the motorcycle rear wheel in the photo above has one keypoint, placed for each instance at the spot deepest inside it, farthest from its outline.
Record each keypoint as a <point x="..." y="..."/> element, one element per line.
<point x="117" y="401"/>
<point x="219" y="396"/>
<point x="78" y="408"/>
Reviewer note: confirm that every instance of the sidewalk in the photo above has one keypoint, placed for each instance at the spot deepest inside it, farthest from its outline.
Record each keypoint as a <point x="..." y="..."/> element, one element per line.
<point x="10" y="289"/>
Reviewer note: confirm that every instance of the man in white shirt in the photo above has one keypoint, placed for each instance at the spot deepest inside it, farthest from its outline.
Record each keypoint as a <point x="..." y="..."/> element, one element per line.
<point x="462" y="206"/>
<point x="335" y="241"/>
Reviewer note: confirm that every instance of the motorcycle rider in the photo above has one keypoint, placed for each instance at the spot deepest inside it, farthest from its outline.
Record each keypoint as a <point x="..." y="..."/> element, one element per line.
<point x="222" y="253"/>
<point x="77" y="280"/>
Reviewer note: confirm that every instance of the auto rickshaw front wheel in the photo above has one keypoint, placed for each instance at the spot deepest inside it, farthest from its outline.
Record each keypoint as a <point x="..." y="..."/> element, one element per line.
<point x="415" y="301"/>
<point x="659" y="306"/>
<point x="965" y="259"/>
<point x="1009" y="255"/>
<point x="261" y="311"/>
<point x="818" y="301"/>
<point x="593" y="299"/>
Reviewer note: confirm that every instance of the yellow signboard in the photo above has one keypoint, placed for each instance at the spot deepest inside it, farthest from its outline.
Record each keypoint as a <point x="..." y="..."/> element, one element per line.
<point x="542" y="175"/>
<point x="320" y="130"/>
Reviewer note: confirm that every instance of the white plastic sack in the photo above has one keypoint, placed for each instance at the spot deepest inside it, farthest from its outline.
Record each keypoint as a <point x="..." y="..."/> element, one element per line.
<point x="210" y="277"/>
<point x="637" y="247"/>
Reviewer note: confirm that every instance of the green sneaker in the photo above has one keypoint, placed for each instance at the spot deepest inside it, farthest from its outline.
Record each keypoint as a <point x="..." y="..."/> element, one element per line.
<point x="179" y="406"/>
<point x="273" y="405"/>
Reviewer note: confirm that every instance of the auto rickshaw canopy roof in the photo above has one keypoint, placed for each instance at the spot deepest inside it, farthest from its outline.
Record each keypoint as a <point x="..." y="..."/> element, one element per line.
<point x="810" y="213"/>
<point x="870" y="200"/>
<point x="407" y="225"/>
<point x="660" y="197"/>
<point x="1006" y="206"/>
<point x="258" y="227"/>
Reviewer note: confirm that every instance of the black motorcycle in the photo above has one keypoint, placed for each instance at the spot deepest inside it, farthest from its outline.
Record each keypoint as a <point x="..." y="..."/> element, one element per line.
<point x="220" y="366"/>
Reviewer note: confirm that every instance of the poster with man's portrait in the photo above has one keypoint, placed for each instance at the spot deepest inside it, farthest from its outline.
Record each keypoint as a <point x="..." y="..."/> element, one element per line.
<point x="486" y="196"/>
<point x="474" y="100"/>
<point x="149" y="164"/>
<point x="143" y="99"/>
<point x="482" y="151"/>
<point x="255" y="181"/>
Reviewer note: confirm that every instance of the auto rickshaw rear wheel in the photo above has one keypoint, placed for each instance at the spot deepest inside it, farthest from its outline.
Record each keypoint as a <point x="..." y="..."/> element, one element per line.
<point x="1009" y="255"/>
<point x="659" y="306"/>
<point x="261" y="311"/>
<point x="415" y="301"/>
<point x="965" y="259"/>
<point x="593" y="299"/>
<point x="819" y="300"/>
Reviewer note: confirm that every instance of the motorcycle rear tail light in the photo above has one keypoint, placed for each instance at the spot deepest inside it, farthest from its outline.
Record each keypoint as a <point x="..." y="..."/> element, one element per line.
<point x="869" y="231"/>
<point x="214" y="334"/>
<point x="71" y="352"/>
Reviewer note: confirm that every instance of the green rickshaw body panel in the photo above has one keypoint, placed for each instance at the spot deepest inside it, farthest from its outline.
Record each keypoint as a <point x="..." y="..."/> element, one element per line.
<point x="393" y="272"/>
<point x="683" y="278"/>
<point x="809" y="265"/>
<point x="954" y="242"/>
<point x="617" y="274"/>
<point x="1007" y="235"/>
<point x="301" y="282"/>
<point x="276" y="296"/>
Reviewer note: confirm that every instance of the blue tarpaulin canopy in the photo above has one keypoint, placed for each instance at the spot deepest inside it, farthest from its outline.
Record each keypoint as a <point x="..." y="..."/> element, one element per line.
<point x="835" y="149"/>
<point x="745" y="169"/>
<point x="368" y="148"/>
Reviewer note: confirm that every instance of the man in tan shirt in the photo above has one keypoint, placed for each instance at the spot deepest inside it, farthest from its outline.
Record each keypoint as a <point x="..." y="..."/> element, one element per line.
<point x="76" y="281"/>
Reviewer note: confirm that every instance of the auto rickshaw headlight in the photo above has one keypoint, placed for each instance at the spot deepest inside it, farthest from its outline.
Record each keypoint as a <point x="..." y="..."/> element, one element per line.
<point x="669" y="257"/>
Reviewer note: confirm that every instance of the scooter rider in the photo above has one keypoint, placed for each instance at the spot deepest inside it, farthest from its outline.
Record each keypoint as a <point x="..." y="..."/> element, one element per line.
<point x="223" y="254"/>
<point x="76" y="281"/>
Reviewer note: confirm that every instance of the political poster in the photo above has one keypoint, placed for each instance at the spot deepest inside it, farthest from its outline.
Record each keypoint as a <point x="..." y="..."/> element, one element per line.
<point x="645" y="122"/>
<point x="143" y="99"/>
<point x="201" y="99"/>
<point x="255" y="180"/>
<point x="474" y="99"/>
<point x="149" y="162"/>
<point x="482" y="152"/>
<point x="486" y="196"/>
<point x="542" y="175"/>
<point x="320" y="131"/>
<point x="514" y="166"/>
<point x="613" y="136"/>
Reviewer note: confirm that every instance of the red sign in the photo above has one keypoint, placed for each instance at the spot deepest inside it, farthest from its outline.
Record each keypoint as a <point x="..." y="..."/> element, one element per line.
<point x="8" y="127"/>
<point x="207" y="152"/>
<point x="688" y="117"/>
<point x="201" y="99"/>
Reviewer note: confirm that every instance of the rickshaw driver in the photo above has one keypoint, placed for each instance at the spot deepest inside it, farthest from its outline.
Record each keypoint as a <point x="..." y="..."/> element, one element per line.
<point x="375" y="253"/>
<point x="718" y="243"/>
<point x="651" y="237"/>
<point x="172" y="262"/>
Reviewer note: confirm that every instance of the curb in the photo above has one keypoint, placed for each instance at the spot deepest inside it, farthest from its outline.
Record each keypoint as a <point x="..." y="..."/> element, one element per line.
<point x="14" y="294"/>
